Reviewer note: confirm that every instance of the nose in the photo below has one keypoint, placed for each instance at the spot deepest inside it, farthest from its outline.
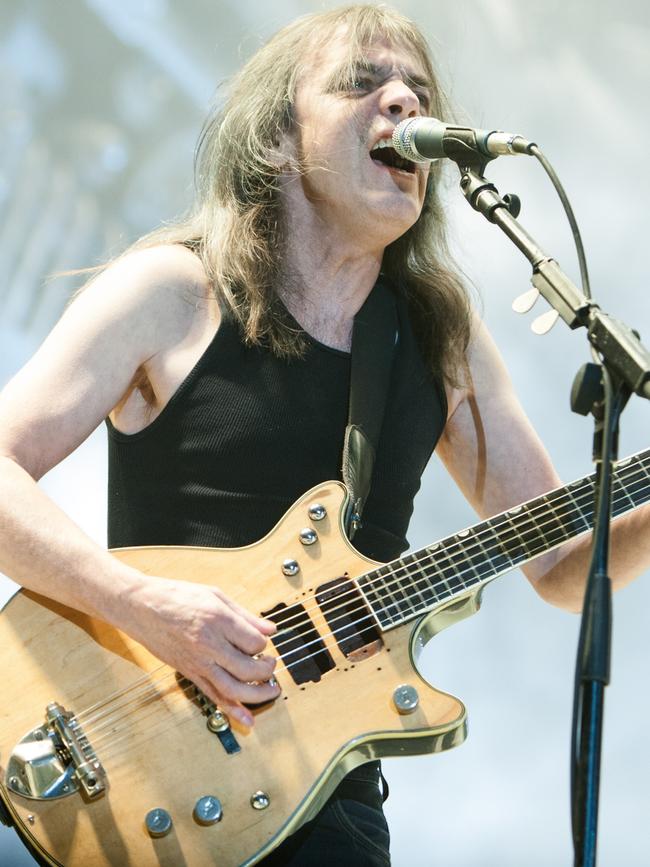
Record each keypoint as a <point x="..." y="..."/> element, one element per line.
<point x="398" y="100"/>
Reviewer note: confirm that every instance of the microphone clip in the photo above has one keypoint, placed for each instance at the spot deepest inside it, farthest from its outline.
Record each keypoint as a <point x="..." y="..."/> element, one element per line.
<point x="467" y="154"/>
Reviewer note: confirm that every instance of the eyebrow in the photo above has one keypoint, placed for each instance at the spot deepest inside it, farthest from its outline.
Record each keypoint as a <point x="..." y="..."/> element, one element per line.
<point x="379" y="71"/>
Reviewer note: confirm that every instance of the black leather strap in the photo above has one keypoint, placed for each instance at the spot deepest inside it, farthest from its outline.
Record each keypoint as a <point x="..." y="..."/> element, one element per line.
<point x="374" y="337"/>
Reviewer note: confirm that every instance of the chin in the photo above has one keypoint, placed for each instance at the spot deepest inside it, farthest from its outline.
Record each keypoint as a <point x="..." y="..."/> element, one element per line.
<point x="400" y="219"/>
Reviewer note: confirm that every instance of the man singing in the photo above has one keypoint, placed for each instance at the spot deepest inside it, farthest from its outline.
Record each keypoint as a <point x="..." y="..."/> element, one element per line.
<point x="218" y="351"/>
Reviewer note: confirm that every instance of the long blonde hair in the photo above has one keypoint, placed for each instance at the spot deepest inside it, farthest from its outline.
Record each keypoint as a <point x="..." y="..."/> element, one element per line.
<point x="236" y="226"/>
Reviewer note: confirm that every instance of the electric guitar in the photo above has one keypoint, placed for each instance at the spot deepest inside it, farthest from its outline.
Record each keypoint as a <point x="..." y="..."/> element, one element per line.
<point x="109" y="758"/>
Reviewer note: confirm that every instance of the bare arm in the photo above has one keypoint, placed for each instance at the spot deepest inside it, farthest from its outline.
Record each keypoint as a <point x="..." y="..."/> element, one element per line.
<point x="498" y="461"/>
<point x="84" y="368"/>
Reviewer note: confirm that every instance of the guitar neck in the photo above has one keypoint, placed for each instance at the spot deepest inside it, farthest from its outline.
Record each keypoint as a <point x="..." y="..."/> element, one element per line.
<point x="414" y="584"/>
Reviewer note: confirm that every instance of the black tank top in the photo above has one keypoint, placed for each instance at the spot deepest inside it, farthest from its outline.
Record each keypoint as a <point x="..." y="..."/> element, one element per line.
<point x="247" y="433"/>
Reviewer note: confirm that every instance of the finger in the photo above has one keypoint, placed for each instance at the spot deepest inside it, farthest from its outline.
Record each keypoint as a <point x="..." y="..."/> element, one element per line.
<point x="232" y="709"/>
<point x="237" y="691"/>
<point x="244" y="667"/>
<point x="267" y="627"/>
<point x="240" y="633"/>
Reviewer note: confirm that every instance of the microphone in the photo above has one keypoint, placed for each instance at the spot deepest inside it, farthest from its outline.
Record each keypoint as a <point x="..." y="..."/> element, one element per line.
<point x="422" y="139"/>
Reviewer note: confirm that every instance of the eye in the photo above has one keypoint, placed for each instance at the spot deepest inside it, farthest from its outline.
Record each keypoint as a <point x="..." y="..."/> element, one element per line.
<point x="361" y="83"/>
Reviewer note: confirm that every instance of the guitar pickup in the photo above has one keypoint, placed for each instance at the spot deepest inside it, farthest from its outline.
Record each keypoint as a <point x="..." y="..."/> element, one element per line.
<point x="299" y="644"/>
<point x="350" y="620"/>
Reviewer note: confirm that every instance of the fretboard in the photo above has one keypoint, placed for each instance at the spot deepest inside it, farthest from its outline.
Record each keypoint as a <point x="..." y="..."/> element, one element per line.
<point x="416" y="583"/>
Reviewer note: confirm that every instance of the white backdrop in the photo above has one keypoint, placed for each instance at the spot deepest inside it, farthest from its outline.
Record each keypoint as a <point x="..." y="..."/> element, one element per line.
<point x="98" y="124"/>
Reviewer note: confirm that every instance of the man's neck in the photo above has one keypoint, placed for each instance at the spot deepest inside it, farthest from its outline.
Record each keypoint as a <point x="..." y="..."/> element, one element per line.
<point x="327" y="279"/>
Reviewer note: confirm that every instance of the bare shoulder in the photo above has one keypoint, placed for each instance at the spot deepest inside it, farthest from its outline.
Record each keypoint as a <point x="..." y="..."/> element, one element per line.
<point x="128" y="316"/>
<point x="156" y="283"/>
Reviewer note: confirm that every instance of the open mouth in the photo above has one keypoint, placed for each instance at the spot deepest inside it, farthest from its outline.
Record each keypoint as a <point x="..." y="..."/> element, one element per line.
<point x="385" y="153"/>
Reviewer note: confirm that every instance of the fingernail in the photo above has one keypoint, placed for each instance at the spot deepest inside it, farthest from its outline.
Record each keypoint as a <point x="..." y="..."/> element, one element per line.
<point x="244" y="717"/>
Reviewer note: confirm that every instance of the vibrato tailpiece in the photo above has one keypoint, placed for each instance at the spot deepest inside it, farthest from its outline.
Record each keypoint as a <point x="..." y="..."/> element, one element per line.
<point x="55" y="760"/>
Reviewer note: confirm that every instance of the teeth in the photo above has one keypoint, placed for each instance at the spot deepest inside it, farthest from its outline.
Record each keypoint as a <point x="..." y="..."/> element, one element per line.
<point x="397" y="162"/>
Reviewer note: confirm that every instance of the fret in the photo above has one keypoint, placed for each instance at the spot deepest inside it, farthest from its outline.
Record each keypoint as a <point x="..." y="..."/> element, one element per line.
<point x="635" y="488"/>
<point x="547" y="526"/>
<point x="491" y="561"/>
<point x="557" y="522"/>
<point x="509" y="541"/>
<point x="373" y="587"/>
<point x="386" y="587"/>
<point x="449" y="573"/>
<point x="474" y="558"/>
<point x="412" y="585"/>
<point x="437" y="581"/>
<point x="644" y="463"/>
<point x="421" y="581"/>
<point x="451" y="567"/>
<point x="586" y="492"/>
<point x="625" y="491"/>
<point x="636" y="492"/>
<point x="401" y="584"/>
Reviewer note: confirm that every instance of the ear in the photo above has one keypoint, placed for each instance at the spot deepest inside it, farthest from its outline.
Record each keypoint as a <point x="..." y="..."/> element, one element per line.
<point x="283" y="152"/>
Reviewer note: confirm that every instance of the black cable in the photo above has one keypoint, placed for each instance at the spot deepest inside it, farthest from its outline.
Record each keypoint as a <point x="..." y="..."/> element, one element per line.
<point x="568" y="210"/>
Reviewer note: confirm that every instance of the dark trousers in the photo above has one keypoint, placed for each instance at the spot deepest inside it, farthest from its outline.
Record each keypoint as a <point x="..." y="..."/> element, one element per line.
<point x="350" y="830"/>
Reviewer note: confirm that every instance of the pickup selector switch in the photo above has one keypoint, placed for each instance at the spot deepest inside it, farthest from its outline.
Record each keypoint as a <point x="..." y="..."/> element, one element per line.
<point x="308" y="536"/>
<point x="260" y="800"/>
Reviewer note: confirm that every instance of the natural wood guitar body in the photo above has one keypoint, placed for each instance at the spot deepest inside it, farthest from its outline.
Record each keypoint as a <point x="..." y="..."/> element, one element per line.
<point x="156" y="748"/>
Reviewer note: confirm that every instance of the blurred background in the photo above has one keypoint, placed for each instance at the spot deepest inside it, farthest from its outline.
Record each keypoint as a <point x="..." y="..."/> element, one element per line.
<point x="100" y="107"/>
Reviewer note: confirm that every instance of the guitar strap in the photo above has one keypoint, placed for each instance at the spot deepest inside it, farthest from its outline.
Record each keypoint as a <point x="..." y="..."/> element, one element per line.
<point x="374" y="338"/>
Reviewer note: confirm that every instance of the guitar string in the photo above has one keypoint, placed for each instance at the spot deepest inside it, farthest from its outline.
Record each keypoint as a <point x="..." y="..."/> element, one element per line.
<point x="368" y="616"/>
<point x="114" y="746"/>
<point x="147" y="677"/>
<point x="446" y="554"/>
<point x="283" y="630"/>
<point x="192" y="686"/>
<point x="155" y="725"/>
<point x="353" y="594"/>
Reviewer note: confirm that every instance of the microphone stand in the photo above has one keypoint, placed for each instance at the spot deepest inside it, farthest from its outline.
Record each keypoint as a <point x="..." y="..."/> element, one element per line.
<point x="602" y="389"/>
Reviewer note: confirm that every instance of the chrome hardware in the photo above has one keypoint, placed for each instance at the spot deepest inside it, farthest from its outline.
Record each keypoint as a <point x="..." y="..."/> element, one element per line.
<point x="31" y="819"/>
<point x="308" y="536"/>
<point x="406" y="698"/>
<point x="317" y="512"/>
<point x="158" y="822"/>
<point x="55" y="759"/>
<point x="207" y="810"/>
<point x="260" y="800"/>
<point x="290" y="568"/>
<point x="218" y="722"/>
